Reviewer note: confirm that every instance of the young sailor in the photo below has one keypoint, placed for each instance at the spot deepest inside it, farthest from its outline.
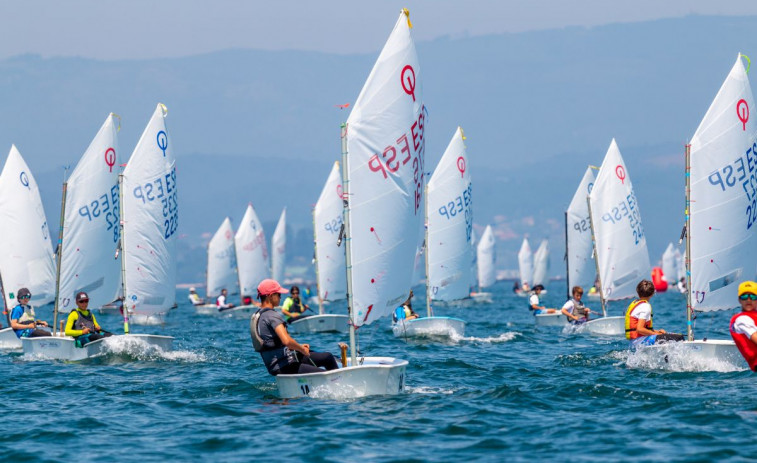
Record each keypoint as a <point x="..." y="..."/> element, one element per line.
<point x="574" y="309"/>
<point x="639" y="319"/>
<point x="23" y="318"/>
<point x="743" y="325"/>
<point x="81" y="323"/>
<point x="533" y="301"/>
<point x="293" y="307"/>
<point x="221" y="301"/>
<point x="195" y="298"/>
<point x="405" y="311"/>
<point x="279" y="351"/>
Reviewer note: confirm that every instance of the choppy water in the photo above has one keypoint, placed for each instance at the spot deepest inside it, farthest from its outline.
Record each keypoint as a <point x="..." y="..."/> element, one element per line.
<point x="506" y="391"/>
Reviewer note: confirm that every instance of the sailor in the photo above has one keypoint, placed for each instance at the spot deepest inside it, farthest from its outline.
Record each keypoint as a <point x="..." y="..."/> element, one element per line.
<point x="279" y="351"/>
<point x="293" y="308"/>
<point x="639" y="319"/>
<point x="405" y="311"/>
<point x="81" y="323"/>
<point x="221" y="301"/>
<point x="195" y="298"/>
<point x="23" y="318"/>
<point x="743" y="325"/>
<point x="533" y="301"/>
<point x="574" y="309"/>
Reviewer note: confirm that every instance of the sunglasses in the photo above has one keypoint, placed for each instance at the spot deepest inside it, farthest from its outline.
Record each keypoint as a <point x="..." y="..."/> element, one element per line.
<point x="748" y="297"/>
<point x="84" y="300"/>
<point x="24" y="297"/>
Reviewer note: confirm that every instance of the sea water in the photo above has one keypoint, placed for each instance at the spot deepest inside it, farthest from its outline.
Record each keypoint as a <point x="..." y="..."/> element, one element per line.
<point x="506" y="390"/>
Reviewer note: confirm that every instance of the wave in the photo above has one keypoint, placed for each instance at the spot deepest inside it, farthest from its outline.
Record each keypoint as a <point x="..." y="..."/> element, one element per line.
<point x="503" y="337"/>
<point x="679" y="357"/>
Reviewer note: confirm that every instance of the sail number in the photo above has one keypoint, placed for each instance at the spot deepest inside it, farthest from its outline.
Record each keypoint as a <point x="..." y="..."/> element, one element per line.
<point x="462" y="204"/>
<point x="742" y="172"/>
<point x="627" y="208"/>
<point x="582" y="225"/>
<point x="105" y="206"/>
<point x="398" y="154"/>
<point x="162" y="190"/>
<point x="334" y="225"/>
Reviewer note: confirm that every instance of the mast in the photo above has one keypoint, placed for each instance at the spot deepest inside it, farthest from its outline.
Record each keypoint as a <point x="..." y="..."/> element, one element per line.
<point x="689" y="329"/>
<point x="124" y="306"/>
<point x="315" y="257"/>
<point x="348" y="240"/>
<point x="567" y="262"/>
<point x="429" y="312"/>
<point x="596" y="258"/>
<point x="59" y="253"/>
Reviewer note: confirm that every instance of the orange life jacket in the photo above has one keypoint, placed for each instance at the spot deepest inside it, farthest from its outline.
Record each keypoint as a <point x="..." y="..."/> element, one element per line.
<point x="745" y="345"/>
<point x="633" y="322"/>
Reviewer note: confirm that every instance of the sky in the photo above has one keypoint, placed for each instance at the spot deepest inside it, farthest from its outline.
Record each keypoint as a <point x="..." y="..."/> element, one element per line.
<point x="138" y="29"/>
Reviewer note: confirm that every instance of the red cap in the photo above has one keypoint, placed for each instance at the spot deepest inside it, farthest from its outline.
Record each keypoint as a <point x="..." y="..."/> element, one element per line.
<point x="268" y="287"/>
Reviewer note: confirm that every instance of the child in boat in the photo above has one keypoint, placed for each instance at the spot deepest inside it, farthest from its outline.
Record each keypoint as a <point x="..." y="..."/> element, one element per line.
<point x="743" y="325"/>
<point x="639" y="319"/>
<point x="279" y="351"/>
<point x="405" y="311"/>
<point x="195" y="298"/>
<point x="293" y="307"/>
<point x="81" y="323"/>
<point x="23" y="318"/>
<point x="574" y="309"/>
<point x="534" y="303"/>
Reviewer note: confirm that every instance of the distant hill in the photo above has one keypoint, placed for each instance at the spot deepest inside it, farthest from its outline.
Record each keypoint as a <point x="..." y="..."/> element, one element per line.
<point x="263" y="126"/>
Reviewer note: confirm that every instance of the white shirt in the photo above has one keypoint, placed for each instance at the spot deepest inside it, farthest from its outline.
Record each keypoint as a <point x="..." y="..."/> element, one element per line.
<point x="221" y="302"/>
<point x="744" y="325"/>
<point x="642" y="311"/>
<point x="533" y="300"/>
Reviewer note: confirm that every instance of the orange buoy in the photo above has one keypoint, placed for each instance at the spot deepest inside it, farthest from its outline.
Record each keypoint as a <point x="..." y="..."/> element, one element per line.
<point x="660" y="285"/>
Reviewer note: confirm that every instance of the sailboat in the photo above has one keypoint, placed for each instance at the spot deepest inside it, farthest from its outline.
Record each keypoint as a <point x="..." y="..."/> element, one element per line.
<point x="330" y="274"/>
<point x="449" y="224"/>
<point x="278" y="247"/>
<point x="26" y="254"/>
<point x="383" y="149"/>
<point x="91" y="231"/>
<point x="669" y="262"/>
<point x="485" y="257"/>
<point x="721" y="211"/>
<point x="222" y="267"/>
<point x="525" y="267"/>
<point x="541" y="264"/>
<point x="619" y="242"/>
<point x="252" y="260"/>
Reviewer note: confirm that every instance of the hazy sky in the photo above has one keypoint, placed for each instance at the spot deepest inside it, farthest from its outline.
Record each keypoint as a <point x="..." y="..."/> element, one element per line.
<point x="107" y="29"/>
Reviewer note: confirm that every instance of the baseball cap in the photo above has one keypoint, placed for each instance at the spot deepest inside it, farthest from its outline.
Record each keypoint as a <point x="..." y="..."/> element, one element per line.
<point x="81" y="295"/>
<point x="748" y="287"/>
<point x="192" y="288"/>
<point x="23" y="292"/>
<point x="269" y="286"/>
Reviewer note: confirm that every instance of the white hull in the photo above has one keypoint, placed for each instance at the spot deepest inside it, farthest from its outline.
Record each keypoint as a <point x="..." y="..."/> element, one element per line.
<point x="483" y="298"/>
<point x="240" y="311"/>
<point x="375" y="376"/>
<point x="206" y="309"/>
<point x="9" y="340"/>
<point x="150" y="320"/>
<point x="606" y="326"/>
<point x="429" y="326"/>
<point x="321" y="324"/>
<point x="551" y="319"/>
<point x="709" y="355"/>
<point x="64" y="348"/>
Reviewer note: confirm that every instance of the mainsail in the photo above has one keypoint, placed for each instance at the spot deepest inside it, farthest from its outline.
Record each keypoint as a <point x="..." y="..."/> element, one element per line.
<point x="26" y="254"/>
<point x="252" y="253"/>
<point x="621" y="245"/>
<point x="541" y="263"/>
<point x="581" y="269"/>
<point x="278" y="248"/>
<point x="327" y="223"/>
<point x="526" y="263"/>
<point x="384" y="178"/>
<point x="669" y="264"/>
<point x="222" y="262"/>
<point x="486" y="254"/>
<point x="723" y="201"/>
<point x="450" y="223"/>
<point x="91" y="224"/>
<point x="151" y="220"/>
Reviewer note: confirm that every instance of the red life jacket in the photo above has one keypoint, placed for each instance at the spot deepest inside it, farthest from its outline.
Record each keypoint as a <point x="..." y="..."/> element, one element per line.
<point x="747" y="348"/>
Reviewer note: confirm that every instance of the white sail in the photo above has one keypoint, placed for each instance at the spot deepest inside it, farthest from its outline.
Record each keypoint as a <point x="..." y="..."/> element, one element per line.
<point x="385" y="169"/>
<point x="669" y="263"/>
<point x="329" y="257"/>
<point x="91" y="224"/>
<point x="526" y="263"/>
<point x="278" y="248"/>
<point x="450" y="223"/>
<point x="252" y="253"/>
<point x="680" y="265"/>
<point x="581" y="268"/>
<point x="474" y="258"/>
<point x="541" y="263"/>
<point x="619" y="235"/>
<point x="222" y="262"/>
<point x="26" y="253"/>
<point x="151" y="216"/>
<point x="486" y="254"/>
<point x="724" y="196"/>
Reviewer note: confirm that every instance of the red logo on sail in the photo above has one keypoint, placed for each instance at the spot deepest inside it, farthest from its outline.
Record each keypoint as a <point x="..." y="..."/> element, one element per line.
<point x="742" y="111"/>
<point x="621" y="173"/>
<point x="110" y="158"/>
<point x="408" y="80"/>
<point x="461" y="166"/>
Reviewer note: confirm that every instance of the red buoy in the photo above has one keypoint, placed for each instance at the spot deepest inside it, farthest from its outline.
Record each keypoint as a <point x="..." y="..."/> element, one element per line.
<point x="660" y="285"/>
